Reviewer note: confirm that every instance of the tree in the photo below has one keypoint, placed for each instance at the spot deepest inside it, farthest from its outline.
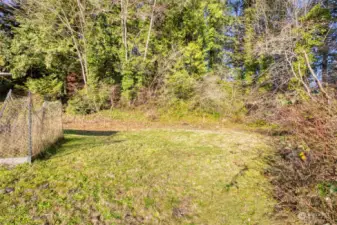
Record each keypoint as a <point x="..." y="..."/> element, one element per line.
<point x="7" y="23"/>
<point x="288" y="36"/>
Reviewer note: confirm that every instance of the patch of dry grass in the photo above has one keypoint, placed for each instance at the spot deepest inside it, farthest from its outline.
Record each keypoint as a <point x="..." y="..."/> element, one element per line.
<point x="131" y="120"/>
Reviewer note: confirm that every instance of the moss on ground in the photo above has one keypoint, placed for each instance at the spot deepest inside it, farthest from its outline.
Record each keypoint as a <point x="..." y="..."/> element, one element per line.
<point x="142" y="177"/>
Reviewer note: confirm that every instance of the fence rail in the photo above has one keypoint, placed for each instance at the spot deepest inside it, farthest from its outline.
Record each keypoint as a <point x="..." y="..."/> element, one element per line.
<point x="26" y="131"/>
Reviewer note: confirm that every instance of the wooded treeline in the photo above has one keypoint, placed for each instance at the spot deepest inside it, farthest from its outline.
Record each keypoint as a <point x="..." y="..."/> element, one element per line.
<point x="270" y="62"/>
<point x="155" y="47"/>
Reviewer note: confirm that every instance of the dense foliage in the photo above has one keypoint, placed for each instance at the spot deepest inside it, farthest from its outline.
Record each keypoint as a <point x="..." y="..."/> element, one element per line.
<point x="167" y="46"/>
<point x="226" y="58"/>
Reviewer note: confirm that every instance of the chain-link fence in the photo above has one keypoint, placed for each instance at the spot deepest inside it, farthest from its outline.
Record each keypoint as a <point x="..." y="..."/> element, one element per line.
<point x="26" y="131"/>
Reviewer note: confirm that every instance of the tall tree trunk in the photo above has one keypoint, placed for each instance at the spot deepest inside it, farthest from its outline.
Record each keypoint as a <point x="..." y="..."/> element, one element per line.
<point x="150" y="28"/>
<point x="76" y="43"/>
<point x="83" y="25"/>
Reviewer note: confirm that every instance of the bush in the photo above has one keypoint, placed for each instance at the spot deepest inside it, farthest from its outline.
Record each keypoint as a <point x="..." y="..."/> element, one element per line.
<point x="210" y="95"/>
<point x="175" y="108"/>
<point x="305" y="172"/>
<point x="215" y="96"/>
<point x="49" y="87"/>
<point x="90" y="100"/>
<point x="80" y="103"/>
<point x="181" y="85"/>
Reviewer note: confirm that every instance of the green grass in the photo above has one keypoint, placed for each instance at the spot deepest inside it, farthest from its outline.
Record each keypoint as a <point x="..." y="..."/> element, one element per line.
<point x="124" y="115"/>
<point x="143" y="115"/>
<point x="142" y="177"/>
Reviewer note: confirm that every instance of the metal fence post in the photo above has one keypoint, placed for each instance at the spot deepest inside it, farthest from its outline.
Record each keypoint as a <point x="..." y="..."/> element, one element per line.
<point x="30" y="141"/>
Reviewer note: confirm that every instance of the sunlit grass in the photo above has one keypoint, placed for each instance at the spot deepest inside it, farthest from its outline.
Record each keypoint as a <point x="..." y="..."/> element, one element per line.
<point x="143" y="177"/>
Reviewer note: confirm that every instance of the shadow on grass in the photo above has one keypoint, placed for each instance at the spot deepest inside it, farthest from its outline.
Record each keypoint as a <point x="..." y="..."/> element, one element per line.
<point x="51" y="150"/>
<point x="56" y="148"/>
<point x="90" y="132"/>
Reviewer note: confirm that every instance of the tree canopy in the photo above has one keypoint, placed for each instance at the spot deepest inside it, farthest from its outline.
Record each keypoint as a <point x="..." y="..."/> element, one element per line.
<point x="163" y="45"/>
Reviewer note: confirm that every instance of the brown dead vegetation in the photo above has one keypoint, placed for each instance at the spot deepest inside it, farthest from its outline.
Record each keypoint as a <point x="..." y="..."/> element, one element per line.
<point x="304" y="172"/>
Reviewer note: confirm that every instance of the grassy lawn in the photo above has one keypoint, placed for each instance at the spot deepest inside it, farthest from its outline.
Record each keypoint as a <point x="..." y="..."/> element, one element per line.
<point x="153" y="176"/>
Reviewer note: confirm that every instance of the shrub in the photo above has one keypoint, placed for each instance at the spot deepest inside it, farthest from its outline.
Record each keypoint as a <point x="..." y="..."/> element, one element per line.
<point x="181" y="85"/>
<point x="90" y="100"/>
<point x="49" y="86"/>
<point x="80" y="103"/>
<point x="175" y="108"/>
<point x="211" y="95"/>
<point x="305" y="172"/>
<point x="215" y="96"/>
